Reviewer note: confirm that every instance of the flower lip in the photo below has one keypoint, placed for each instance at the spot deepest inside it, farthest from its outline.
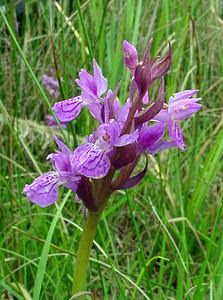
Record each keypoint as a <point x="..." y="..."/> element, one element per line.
<point x="43" y="191"/>
<point x="91" y="161"/>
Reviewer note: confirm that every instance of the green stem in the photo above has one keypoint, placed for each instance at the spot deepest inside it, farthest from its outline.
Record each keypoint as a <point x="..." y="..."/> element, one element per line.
<point x="80" y="272"/>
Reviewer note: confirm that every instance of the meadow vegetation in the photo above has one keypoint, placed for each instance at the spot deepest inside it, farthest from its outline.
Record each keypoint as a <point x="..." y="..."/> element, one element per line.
<point x="161" y="240"/>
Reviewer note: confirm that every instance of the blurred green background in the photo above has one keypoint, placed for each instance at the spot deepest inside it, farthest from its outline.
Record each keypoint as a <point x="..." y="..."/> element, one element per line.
<point x="162" y="240"/>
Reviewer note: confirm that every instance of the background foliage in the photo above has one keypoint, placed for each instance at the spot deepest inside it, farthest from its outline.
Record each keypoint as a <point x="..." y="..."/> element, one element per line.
<point x="163" y="240"/>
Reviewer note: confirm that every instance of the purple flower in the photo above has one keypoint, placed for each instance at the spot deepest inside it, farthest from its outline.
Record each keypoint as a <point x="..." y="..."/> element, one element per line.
<point x="44" y="190"/>
<point x="92" y="88"/>
<point x="108" y="158"/>
<point x="92" y="159"/>
<point x="180" y="107"/>
<point x="51" y="84"/>
<point x="150" y="139"/>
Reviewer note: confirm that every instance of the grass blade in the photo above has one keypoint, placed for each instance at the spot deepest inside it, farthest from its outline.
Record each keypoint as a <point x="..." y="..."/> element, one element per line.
<point x="46" y="248"/>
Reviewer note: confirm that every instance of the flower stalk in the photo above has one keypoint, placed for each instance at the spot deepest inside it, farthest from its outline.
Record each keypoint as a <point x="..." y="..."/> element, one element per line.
<point x="83" y="254"/>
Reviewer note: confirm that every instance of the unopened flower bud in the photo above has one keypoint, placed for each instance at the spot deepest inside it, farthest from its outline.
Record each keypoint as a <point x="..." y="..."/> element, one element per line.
<point x="130" y="56"/>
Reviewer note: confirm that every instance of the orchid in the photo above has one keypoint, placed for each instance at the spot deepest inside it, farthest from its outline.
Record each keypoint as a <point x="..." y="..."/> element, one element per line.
<point x="51" y="83"/>
<point x="92" y="87"/>
<point x="44" y="189"/>
<point x="180" y="107"/>
<point x="125" y="133"/>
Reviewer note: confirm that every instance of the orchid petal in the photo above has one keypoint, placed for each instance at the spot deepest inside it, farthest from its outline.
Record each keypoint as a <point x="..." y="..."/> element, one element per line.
<point x="187" y="111"/>
<point x="121" y="113"/>
<point x="88" y="87"/>
<point x="176" y="135"/>
<point x="51" y="122"/>
<point x="59" y="161"/>
<point x="145" y="99"/>
<point x="69" y="109"/>
<point x="162" y="116"/>
<point x="106" y="110"/>
<point x="111" y="106"/>
<point x="127" y="139"/>
<point x="64" y="149"/>
<point x="95" y="110"/>
<point x="160" y="147"/>
<point x="43" y="190"/>
<point x="72" y="185"/>
<point x="101" y="81"/>
<point x="182" y="104"/>
<point x="183" y="95"/>
<point x="150" y="135"/>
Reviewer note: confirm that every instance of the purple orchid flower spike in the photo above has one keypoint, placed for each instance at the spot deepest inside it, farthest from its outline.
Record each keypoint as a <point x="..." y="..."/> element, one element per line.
<point x="109" y="158"/>
<point x="124" y="133"/>
<point x="92" y="88"/>
<point x="44" y="189"/>
<point x="180" y="107"/>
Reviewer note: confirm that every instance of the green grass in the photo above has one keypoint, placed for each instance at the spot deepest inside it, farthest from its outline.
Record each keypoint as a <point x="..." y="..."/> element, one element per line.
<point x="161" y="240"/>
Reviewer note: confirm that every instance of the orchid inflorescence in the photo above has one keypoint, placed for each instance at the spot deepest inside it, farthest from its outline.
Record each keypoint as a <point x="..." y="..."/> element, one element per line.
<point x="108" y="158"/>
